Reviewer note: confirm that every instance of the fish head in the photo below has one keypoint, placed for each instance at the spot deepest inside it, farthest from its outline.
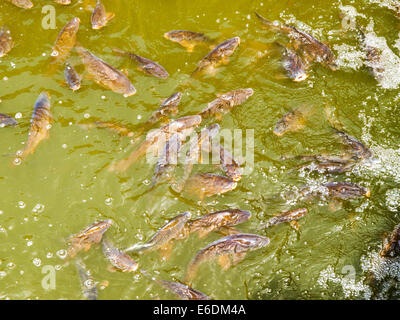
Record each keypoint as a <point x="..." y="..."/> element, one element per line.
<point x="246" y="93"/>
<point x="240" y="216"/>
<point x="280" y="128"/>
<point x="235" y="173"/>
<point x="185" y="216"/>
<point x="251" y="241"/>
<point x="96" y="25"/>
<point x="6" y="120"/>
<point x="333" y="65"/>
<point x="130" y="91"/>
<point x="330" y="60"/>
<point x="223" y="184"/>
<point x="43" y="100"/>
<point x="75" y="86"/>
<point x="262" y="241"/>
<point x="174" y="99"/>
<point x="25" y="4"/>
<point x="75" y="21"/>
<point x="178" y="35"/>
<point x="230" y="45"/>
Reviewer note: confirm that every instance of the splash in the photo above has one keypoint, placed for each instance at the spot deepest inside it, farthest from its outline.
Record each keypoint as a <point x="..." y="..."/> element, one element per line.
<point x="383" y="273"/>
<point x="349" y="57"/>
<point x="385" y="63"/>
<point x="393" y="199"/>
<point x="351" y="287"/>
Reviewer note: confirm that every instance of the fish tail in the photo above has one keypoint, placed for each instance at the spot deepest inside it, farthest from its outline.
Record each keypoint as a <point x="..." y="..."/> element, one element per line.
<point x="119" y="52"/>
<point x="191" y="272"/>
<point x="124" y="164"/>
<point x="146" y="274"/>
<point x="110" y="15"/>
<point x="259" y="16"/>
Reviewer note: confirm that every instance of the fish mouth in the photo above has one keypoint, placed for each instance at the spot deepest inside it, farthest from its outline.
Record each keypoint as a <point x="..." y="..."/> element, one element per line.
<point x="333" y="66"/>
<point x="278" y="132"/>
<point x="236" y="40"/>
<point x="130" y="92"/>
<point x="368" y="193"/>
<point x="250" y="92"/>
<point x="300" y="77"/>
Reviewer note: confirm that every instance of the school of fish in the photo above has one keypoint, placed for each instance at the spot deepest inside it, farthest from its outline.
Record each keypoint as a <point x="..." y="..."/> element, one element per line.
<point x="298" y="56"/>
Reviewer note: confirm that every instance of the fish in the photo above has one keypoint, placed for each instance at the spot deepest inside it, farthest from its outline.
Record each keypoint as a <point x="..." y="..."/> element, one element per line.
<point x="65" y="41"/>
<point x="391" y="247"/>
<point x="168" y="160"/>
<point x="168" y="106"/>
<point x="205" y="185"/>
<point x="111" y="126"/>
<point x="396" y="8"/>
<point x="198" y="144"/>
<point x="105" y="75"/>
<point x="337" y="191"/>
<point x="373" y="56"/>
<point x="236" y="245"/>
<point x="118" y="259"/>
<point x="311" y="48"/>
<point x="187" y="39"/>
<point x="358" y="149"/>
<point x="100" y="17"/>
<point x="182" y="291"/>
<point x="219" y="55"/>
<point x="63" y="2"/>
<point x="6" y="120"/>
<point x="331" y="167"/>
<point x="292" y="121"/>
<point x="72" y="77"/>
<point x="225" y="103"/>
<point x="24" y="4"/>
<point x="327" y="163"/>
<point x="217" y="220"/>
<point x="229" y="165"/>
<point x="40" y="126"/>
<point x="346" y="190"/>
<point x="88" y="236"/>
<point x="89" y="286"/>
<point x="287" y="216"/>
<point x="294" y="65"/>
<point x="172" y="230"/>
<point x="6" y="42"/>
<point x="146" y="65"/>
<point x="184" y="125"/>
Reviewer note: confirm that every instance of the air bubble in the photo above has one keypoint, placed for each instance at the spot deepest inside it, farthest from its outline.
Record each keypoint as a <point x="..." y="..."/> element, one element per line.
<point x="62" y="253"/>
<point x="37" y="262"/>
<point x="38" y="208"/>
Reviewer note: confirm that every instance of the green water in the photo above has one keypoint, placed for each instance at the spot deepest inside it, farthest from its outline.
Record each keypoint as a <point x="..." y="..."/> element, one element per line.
<point x="67" y="175"/>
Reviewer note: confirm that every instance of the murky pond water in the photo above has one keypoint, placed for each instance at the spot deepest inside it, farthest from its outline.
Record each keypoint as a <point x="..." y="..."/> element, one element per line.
<point x="65" y="185"/>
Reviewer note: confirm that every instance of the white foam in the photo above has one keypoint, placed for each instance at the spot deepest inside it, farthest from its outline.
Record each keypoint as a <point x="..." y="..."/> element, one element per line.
<point x="349" y="57"/>
<point x="389" y="78"/>
<point x="351" y="287"/>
